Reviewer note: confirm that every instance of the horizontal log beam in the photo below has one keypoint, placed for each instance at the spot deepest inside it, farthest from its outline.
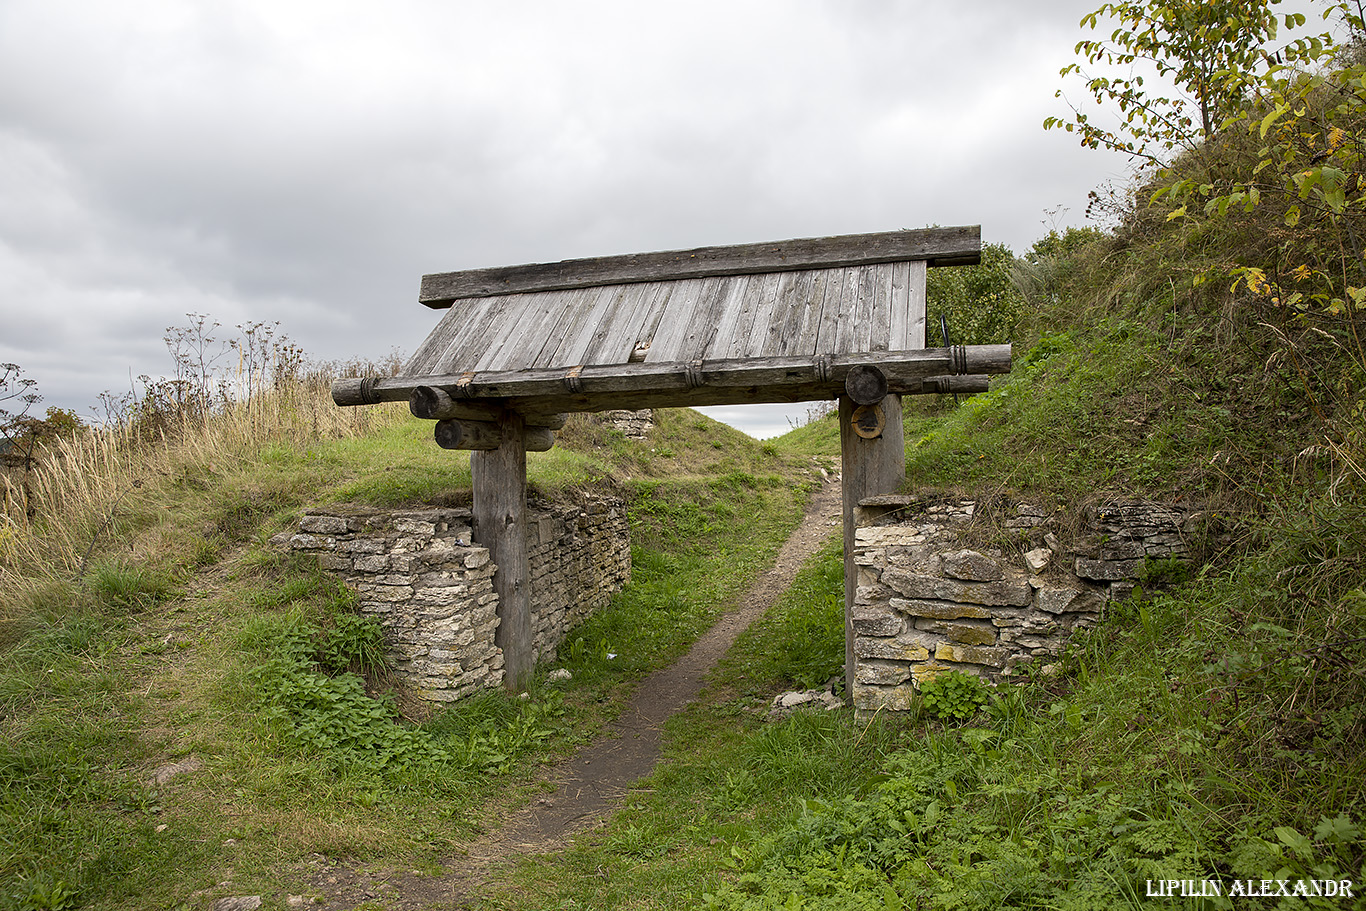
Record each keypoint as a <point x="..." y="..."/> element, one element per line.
<point x="958" y="385"/>
<point x="486" y="435"/>
<point x="955" y="246"/>
<point x="359" y="391"/>
<point x="538" y="394"/>
<point x="433" y="403"/>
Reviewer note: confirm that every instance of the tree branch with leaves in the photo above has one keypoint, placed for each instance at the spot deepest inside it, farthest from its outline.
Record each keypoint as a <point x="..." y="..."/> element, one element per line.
<point x="1204" y="49"/>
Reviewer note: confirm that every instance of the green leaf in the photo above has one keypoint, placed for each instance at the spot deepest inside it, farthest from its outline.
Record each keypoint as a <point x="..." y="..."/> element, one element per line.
<point x="1301" y="846"/>
<point x="1336" y="831"/>
<point x="1276" y="113"/>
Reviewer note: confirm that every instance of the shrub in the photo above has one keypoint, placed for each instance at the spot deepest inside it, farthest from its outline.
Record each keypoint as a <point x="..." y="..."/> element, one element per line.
<point x="954" y="696"/>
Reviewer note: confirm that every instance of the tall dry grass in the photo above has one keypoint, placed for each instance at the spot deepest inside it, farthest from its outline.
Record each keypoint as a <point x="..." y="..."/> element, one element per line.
<point x="58" y="515"/>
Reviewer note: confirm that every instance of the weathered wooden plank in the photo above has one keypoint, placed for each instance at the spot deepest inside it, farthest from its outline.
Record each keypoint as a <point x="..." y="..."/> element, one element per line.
<point x="802" y="341"/>
<point x="775" y="288"/>
<point x="576" y="325"/>
<point x="900" y="331"/>
<point x="849" y="312"/>
<point x="506" y="344"/>
<point x="787" y="312"/>
<point x="939" y="246"/>
<point x="689" y="296"/>
<point x="859" y="339"/>
<point x="702" y="326"/>
<point x="671" y="320"/>
<point x="456" y="333"/>
<point x="661" y="296"/>
<point x="770" y="303"/>
<point x="521" y="341"/>
<point x="593" y="311"/>
<point x="615" y="337"/>
<point x="836" y="340"/>
<point x="770" y="334"/>
<point x="574" y="301"/>
<point x="728" y="318"/>
<point x="499" y="480"/>
<point x="828" y="323"/>
<point x="880" y="322"/>
<point x="471" y="343"/>
<point x="736" y="342"/>
<point x="916" y="304"/>
<point x="475" y="353"/>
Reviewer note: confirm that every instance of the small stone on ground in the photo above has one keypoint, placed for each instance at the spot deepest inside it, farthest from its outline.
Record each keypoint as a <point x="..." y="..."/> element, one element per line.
<point x="238" y="903"/>
<point x="785" y="704"/>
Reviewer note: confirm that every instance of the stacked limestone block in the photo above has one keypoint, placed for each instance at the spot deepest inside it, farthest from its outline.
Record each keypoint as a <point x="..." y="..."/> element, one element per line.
<point x="1129" y="536"/>
<point x="417" y="572"/>
<point x="925" y="604"/>
<point x="636" y="425"/>
<point x="580" y="556"/>
<point x="431" y="590"/>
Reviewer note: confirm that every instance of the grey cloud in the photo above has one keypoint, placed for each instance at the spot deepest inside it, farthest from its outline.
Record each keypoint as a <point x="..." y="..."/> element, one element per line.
<point x="309" y="162"/>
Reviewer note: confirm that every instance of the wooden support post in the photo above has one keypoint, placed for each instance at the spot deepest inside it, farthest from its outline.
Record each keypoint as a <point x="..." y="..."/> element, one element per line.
<point x="499" y="477"/>
<point x="869" y="467"/>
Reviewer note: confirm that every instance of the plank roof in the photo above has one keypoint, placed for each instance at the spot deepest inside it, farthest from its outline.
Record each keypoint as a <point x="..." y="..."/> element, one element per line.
<point x="821" y="297"/>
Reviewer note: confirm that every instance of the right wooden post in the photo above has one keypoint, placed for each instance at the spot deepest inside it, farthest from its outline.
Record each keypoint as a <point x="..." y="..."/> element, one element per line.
<point x="873" y="462"/>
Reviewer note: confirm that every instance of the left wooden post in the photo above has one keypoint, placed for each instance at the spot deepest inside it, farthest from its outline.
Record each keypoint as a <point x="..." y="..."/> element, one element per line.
<point x="499" y="477"/>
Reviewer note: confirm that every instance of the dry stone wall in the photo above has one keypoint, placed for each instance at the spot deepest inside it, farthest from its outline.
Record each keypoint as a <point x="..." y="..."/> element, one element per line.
<point x="580" y="556"/>
<point x="926" y="604"/>
<point x="418" y="573"/>
<point x="636" y="425"/>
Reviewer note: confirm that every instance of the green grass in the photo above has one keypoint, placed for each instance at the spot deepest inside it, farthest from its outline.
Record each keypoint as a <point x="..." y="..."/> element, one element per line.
<point x="1068" y="791"/>
<point x="1212" y="730"/>
<point x="695" y="544"/>
<point x="797" y="644"/>
<point x="728" y="776"/>
<point x="166" y="651"/>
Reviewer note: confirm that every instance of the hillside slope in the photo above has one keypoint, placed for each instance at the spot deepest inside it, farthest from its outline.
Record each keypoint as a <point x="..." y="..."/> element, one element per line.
<point x="188" y="712"/>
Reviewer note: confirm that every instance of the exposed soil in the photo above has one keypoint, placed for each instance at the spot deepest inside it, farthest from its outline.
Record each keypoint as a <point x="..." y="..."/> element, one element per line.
<point x="590" y="784"/>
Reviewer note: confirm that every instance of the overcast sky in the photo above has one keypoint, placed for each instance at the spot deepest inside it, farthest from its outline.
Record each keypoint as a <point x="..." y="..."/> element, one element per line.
<point x="307" y="161"/>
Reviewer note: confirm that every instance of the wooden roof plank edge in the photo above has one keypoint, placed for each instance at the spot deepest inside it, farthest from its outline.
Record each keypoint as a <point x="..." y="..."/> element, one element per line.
<point x="952" y="246"/>
<point x="684" y="384"/>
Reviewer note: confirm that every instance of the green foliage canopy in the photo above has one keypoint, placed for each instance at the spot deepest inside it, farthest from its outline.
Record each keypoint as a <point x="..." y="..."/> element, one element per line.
<point x="1207" y="49"/>
<point x="981" y="303"/>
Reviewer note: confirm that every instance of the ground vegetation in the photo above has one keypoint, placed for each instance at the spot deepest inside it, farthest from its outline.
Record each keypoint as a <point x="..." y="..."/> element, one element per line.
<point x="187" y="714"/>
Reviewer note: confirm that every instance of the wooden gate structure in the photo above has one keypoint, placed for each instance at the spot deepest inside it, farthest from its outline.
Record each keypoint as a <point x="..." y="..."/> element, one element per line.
<point x="792" y="321"/>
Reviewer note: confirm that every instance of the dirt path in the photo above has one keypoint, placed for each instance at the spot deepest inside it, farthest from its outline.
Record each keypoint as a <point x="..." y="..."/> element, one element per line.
<point x="592" y="782"/>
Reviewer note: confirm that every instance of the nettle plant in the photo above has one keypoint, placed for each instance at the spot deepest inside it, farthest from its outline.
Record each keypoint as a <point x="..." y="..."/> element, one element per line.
<point x="953" y="696"/>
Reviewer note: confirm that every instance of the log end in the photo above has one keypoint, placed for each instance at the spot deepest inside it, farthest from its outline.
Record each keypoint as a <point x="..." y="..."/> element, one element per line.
<point x="866" y="384"/>
<point x="429" y="403"/>
<point x="355" y="390"/>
